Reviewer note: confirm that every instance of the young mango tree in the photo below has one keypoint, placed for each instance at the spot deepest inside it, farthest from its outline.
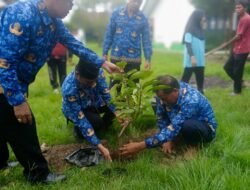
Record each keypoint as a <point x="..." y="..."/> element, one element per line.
<point x="132" y="95"/>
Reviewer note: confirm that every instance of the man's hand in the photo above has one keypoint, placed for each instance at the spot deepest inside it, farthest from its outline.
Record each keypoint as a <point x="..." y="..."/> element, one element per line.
<point x="105" y="152"/>
<point x="23" y="113"/>
<point x="110" y="67"/>
<point x="168" y="147"/>
<point x="132" y="148"/>
<point x="193" y="61"/>
<point x="147" y="65"/>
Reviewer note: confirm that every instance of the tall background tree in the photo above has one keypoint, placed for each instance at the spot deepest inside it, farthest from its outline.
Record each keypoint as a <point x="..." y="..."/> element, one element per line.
<point x="220" y="19"/>
<point x="219" y="8"/>
<point x="93" y="16"/>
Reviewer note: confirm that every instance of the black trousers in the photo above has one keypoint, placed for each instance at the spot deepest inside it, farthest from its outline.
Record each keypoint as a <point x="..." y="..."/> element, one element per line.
<point x="234" y="67"/>
<point x="24" y="142"/>
<point x="130" y="66"/>
<point x="194" y="132"/>
<point x="199" y="76"/>
<point x="100" y="119"/>
<point x="57" y="67"/>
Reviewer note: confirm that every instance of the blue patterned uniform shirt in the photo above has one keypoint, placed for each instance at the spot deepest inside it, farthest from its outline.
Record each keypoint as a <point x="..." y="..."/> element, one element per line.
<point x="125" y="36"/>
<point x="27" y="37"/>
<point x="190" y="104"/>
<point x="77" y="98"/>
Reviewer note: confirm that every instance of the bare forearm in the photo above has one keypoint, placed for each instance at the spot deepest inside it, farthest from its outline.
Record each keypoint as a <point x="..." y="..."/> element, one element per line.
<point x="235" y="38"/>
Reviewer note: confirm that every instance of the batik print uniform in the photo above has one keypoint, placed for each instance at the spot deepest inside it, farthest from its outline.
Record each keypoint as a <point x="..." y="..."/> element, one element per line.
<point x="190" y="105"/>
<point x="78" y="98"/>
<point x="27" y="36"/>
<point x="125" y="35"/>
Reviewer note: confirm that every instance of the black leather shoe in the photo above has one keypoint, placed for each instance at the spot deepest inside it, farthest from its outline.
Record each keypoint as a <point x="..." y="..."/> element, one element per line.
<point x="12" y="164"/>
<point x="8" y="165"/>
<point x="53" y="178"/>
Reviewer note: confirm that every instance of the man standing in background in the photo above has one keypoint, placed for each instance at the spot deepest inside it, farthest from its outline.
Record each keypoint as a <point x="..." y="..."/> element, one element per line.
<point x="127" y="31"/>
<point x="234" y="67"/>
<point x="57" y="65"/>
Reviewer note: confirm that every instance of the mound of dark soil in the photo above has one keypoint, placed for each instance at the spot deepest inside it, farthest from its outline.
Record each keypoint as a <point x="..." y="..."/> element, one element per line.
<point x="55" y="155"/>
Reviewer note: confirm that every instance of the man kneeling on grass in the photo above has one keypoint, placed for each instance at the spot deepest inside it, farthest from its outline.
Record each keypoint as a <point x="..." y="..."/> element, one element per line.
<point x="85" y="98"/>
<point x="181" y="111"/>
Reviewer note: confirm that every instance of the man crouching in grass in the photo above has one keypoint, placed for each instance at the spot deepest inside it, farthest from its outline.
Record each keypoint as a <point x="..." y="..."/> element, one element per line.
<point x="85" y="98"/>
<point x="182" y="111"/>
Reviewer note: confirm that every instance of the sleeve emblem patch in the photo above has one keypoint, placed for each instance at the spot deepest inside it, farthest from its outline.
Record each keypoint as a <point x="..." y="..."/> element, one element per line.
<point x="16" y="29"/>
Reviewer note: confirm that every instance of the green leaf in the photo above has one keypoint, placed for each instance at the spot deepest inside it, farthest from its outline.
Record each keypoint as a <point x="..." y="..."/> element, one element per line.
<point x="131" y="84"/>
<point x="121" y="64"/>
<point x="159" y="87"/>
<point x="132" y="72"/>
<point x="135" y="99"/>
<point x="127" y="111"/>
<point x="135" y="91"/>
<point x="120" y="104"/>
<point x="117" y="77"/>
<point x="114" y="87"/>
<point x="127" y="91"/>
<point x="140" y="75"/>
<point x="148" y="83"/>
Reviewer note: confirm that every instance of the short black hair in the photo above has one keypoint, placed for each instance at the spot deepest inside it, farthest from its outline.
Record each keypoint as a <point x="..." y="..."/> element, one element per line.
<point x="244" y="3"/>
<point x="168" y="81"/>
<point x="87" y="70"/>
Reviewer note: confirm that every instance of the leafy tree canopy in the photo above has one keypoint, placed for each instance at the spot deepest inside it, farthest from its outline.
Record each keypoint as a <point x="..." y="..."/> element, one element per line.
<point x="93" y="16"/>
<point x="219" y="8"/>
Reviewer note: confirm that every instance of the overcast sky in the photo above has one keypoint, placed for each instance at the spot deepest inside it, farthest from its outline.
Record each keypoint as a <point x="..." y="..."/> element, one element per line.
<point x="170" y="19"/>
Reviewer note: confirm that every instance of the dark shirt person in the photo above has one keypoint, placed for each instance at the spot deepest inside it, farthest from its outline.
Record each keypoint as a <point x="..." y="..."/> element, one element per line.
<point x="29" y="30"/>
<point x="234" y="66"/>
<point x="57" y="65"/>
<point x="180" y="110"/>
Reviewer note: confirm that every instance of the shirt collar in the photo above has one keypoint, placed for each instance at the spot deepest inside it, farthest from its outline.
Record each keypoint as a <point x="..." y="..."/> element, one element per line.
<point x="182" y="92"/>
<point x="125" y="11"/>
<point x="179" y="96"/>
<point x="40" y="5"/>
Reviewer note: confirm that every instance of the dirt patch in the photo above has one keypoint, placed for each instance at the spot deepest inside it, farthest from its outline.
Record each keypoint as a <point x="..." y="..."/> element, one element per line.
<point x="55" y="155"/>
<point x="212" y="81"/>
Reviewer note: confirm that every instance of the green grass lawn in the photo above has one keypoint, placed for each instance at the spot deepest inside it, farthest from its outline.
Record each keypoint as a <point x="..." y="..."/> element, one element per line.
<point x="224" y="164"/>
